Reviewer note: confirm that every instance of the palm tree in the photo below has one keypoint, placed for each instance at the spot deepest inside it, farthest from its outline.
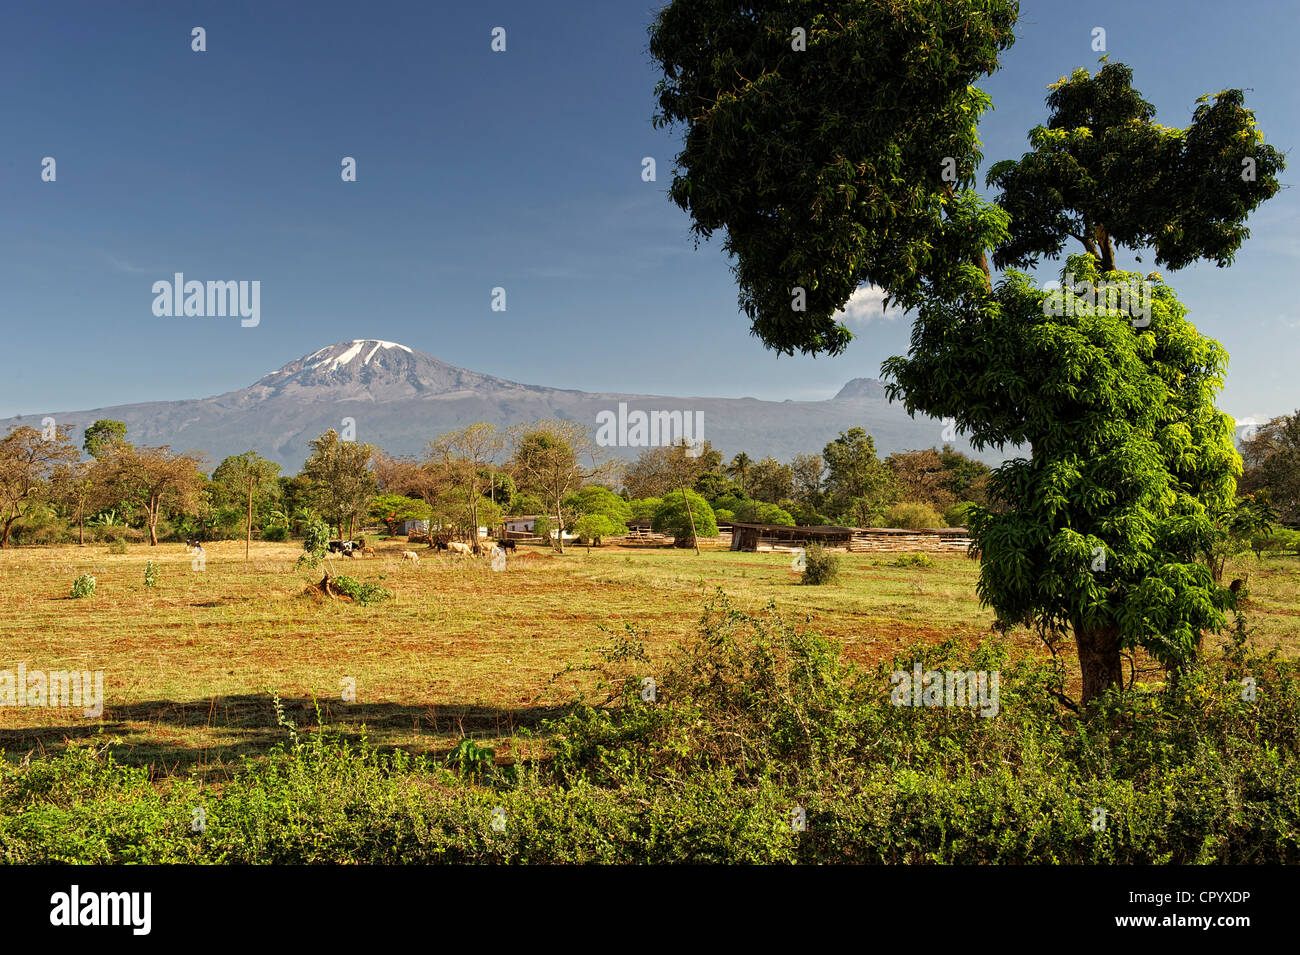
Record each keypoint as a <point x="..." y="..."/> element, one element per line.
<point x="739" y="467"/>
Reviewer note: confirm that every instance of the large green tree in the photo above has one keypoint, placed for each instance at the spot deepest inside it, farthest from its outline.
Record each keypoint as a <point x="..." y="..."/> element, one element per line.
<point x="342" y="482"/>
<point x="1107" y="518"/>
<point x="850" y="158"/>
<point x="859" y="484"/>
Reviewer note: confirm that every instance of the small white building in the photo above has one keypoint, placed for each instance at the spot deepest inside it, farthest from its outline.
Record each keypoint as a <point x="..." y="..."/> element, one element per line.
<point x="523" y="524"/>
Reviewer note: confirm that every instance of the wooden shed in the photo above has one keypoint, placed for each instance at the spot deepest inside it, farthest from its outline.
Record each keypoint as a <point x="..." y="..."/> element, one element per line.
<point x="748" y="536"/>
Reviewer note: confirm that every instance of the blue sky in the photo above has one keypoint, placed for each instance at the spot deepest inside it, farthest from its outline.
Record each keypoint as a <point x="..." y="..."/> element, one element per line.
<point x="479" y="169"/>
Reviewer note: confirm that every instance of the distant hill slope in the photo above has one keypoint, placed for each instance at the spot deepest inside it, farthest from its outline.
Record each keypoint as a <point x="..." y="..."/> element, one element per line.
<point x="401" y="399"/>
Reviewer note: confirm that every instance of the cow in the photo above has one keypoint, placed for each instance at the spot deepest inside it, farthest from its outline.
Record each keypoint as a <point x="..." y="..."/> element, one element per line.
<point x="460" y="547"/>
<point x="412" y="556"/>
<point x="342" y="547"/>
<point x="193" y="543"/>
<point x="439" y="545"/>
<point x="507" y="544"/>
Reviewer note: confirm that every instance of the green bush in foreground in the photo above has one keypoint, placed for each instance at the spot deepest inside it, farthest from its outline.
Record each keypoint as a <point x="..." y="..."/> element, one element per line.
<point x="360" y="591"/>
<point x="820" y="565"/>
<point x="749" y="720"/>
<point x="83" y="586"/>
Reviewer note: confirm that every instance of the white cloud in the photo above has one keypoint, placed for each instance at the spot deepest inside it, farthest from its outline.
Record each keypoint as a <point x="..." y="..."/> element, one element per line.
<point x="867" y="305"/>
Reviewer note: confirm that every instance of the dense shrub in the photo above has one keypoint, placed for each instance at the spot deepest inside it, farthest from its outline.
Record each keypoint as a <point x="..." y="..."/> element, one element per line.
<point x="958" y="514"/>
<point x="39" y="529"/>
<point x="276" y="533"/>
<point x="820" y="565"/>
<point x="912" y="560"/>
<point x="360" y="591"/>
<point x="83" y="586"/>
<point x="671" y="517"/>
<point x="911" y="515"/>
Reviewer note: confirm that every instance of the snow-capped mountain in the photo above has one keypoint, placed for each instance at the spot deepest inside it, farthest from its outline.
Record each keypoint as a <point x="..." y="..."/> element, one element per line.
<point x="400" y="399"/>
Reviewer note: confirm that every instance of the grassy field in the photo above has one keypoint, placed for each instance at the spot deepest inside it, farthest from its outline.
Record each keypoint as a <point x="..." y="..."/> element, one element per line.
<point x="192" y="666"/>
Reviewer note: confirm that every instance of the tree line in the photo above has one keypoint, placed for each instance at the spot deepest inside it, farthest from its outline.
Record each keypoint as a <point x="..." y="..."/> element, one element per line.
<point x="467" y="478"/>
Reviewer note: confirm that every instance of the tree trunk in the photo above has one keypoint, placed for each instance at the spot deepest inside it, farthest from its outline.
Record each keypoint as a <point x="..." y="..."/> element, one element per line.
<point x="695" y="538"/>
<point x="1099" y="659"/>
<point x="559" y="525"/>
<point x="1107" y="250"/>
<point x="248" y="533"/>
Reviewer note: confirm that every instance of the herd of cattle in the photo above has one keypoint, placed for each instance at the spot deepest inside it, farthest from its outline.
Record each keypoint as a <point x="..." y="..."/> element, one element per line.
<point x="359" y="548"/>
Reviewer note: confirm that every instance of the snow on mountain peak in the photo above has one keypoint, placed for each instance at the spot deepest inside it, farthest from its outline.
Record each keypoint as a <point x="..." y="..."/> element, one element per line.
<point x="329" y="362"/>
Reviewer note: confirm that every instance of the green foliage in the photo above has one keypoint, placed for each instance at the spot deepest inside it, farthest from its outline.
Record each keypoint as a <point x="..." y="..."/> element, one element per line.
<point x="527" y="504"/>
<point x="1271" y="458"/>
<point x="470" y="759"/>
<point x="593" y="528"/>
<point x="117" y="545"/>
<point x="760" y="512"/>
<point x="315" y="544"/>
<point x="1104" y="170"/>
<point x="363" y="592"/>
<point x="643" y="508"/>
<point x="83" y="586"/>
<point x="919" y="561"/>
<point x="340" y="478"/>
<point x="276" y="534"/>
<point x="150" y="574"/>
<point x="859" y="484"/>
<point x="671" y="517"/>
<point x="1128" y="456"/>
<point x="712" y="485"/>
<point x="396" y="508"/>
<point x="805" y="515"/>
<point x="910" y="515"/>
<point x="814" y="188"/>
<point x="102" y="435"/>
<point x="595" y="500"/>
<point x="1244" y="520"/>
<point x="959" y="514"/>
<point x="543" y="527"/>
<point x="820" y="565"/>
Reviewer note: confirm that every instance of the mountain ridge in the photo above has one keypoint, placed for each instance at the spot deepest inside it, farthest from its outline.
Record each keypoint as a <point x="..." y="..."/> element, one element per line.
<point x="401" y="398"/>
